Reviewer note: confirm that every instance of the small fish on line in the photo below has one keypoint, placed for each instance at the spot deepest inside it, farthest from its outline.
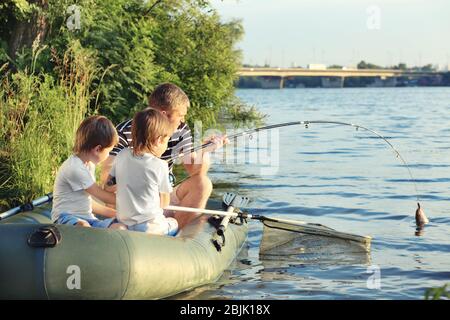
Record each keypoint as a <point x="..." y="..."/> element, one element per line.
<point x="421" y="218"/>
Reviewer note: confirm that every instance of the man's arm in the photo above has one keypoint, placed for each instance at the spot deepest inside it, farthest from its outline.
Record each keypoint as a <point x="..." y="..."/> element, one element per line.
<point x="122" y="144"/>
<point x="105" y="169"/>
<point x="193" y="165"/>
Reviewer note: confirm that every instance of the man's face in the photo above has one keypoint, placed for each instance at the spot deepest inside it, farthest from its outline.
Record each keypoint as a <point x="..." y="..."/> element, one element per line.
<point x="176" y="116"/>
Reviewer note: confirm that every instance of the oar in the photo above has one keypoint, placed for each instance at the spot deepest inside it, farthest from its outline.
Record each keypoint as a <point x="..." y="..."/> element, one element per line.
<point x="27" y="206"/>
<point x="282" y="224"/>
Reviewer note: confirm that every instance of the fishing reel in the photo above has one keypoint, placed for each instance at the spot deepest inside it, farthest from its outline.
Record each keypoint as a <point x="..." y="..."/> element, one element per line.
<point x="232" y="203"/>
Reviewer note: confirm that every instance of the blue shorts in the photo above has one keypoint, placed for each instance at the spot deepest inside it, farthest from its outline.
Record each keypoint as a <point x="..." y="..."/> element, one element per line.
<point x="169" y="227"/>
<point x="72" y="219"/>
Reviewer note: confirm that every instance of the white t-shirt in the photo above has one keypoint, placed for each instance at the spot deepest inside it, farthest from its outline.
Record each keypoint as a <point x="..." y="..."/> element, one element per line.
<point x="140" y="179"/>
<point x="69" y="195"/>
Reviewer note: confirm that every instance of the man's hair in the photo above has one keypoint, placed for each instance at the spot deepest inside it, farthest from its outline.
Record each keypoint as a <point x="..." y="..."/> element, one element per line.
<point x="167" y="96"/>
<point x="148" y="125"/>
<point x="95" y="131"/>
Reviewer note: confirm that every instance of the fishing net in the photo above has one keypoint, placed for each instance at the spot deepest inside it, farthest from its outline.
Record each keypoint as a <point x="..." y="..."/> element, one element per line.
<point x="311" y="243"/>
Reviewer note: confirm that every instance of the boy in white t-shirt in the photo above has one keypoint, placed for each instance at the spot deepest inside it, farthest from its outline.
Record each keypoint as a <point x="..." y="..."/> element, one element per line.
<point x="143" y="186"/>
<point x="75" y="180"/>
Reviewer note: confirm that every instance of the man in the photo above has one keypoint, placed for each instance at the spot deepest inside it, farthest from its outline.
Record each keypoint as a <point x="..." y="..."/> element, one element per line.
<point x="194" y="192"/>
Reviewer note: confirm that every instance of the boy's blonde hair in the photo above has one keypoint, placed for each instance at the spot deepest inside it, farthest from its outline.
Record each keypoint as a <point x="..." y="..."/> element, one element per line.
<point x="95" y="131"/>
<point x="167" y="96"/>
<point x="148" y="125"/>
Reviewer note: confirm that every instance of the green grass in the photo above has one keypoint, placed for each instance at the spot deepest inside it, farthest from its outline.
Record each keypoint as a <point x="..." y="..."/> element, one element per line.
<point x="39" y="116"/>
<point x="438" y="293"/>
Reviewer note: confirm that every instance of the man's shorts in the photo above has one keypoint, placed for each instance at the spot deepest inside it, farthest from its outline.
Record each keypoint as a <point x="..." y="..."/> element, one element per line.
<point x="72" y="219"/>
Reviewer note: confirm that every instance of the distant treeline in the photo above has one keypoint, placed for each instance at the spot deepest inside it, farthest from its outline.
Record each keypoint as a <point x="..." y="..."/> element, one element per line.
<point x="364" y="65"/>
<point x="349" y="82"/>
<point x="441" y="79"/>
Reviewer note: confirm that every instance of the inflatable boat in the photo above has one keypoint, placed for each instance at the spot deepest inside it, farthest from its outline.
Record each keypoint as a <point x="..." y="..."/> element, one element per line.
<point x="41" y="260"/>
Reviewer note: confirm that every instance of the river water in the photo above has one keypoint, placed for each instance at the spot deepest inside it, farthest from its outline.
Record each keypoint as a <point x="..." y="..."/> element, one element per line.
<point x="351" y="181"/>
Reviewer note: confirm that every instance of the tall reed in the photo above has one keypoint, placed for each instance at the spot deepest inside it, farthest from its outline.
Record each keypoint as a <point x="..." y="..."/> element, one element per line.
<point x="39" y="115"/>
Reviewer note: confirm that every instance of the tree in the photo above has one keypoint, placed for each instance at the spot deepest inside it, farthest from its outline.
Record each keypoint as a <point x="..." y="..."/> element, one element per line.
<point x="138" y="45"/>
<point x="198" y="51"/>
<point x="402" y="66"/>
<point x="364" y="65"/>
<point x="428" y="68"/>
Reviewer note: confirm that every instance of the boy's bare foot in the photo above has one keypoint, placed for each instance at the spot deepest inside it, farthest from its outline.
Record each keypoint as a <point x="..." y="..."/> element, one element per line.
<point x="82" y="223"/>
<point x="118" y="226"/>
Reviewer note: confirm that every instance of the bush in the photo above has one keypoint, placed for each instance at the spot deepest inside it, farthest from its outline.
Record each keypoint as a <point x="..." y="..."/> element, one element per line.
<point x="39" y="117"/>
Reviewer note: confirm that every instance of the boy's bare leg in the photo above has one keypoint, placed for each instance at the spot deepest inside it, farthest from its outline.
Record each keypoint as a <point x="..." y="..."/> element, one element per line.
<point x="193" y="192"/>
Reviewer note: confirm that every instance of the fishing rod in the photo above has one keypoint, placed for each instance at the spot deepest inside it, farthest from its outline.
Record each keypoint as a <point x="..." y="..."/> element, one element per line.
<point x="306" y="124"/>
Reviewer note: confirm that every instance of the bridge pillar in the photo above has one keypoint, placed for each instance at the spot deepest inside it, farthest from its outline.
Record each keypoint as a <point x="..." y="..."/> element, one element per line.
<point x="272" y="83"/>
<point x="380" y="82"/>
<point x="332" y="82"/>
<point x="281" y="82"/>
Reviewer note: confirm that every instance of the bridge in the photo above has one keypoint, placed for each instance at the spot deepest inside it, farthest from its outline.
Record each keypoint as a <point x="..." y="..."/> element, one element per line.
<point x="331" y="77"/>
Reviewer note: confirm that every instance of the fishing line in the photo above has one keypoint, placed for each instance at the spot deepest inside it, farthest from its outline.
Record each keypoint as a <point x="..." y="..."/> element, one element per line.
<point x="306" y="124"/>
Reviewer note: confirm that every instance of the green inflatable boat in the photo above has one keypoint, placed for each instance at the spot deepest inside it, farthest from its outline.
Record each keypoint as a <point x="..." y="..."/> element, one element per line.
<point x="40" y="260"/>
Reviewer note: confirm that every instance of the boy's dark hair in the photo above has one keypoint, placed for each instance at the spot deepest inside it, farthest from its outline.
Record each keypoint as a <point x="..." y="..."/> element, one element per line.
<point x="95" y="131"/>
<point x="167" y="96"/>
<point x="148" y="125"/>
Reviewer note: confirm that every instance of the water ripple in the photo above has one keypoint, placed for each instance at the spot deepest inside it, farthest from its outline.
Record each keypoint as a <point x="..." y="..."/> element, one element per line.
<point x="318" y="181"/>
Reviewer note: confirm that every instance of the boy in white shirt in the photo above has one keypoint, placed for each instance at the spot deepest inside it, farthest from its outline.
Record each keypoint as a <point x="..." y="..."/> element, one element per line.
<point x="75" y="180"/>
<point x="143" y="186"/>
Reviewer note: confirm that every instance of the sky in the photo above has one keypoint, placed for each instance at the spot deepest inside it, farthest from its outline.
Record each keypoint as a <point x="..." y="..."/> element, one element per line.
<point x="287" y="33"/>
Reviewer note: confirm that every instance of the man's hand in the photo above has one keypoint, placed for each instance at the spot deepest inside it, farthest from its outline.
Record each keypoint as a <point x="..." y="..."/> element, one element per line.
<point x="199" y="162"/>
<point x="111" y="185"/>
<point x="215" y="142"/>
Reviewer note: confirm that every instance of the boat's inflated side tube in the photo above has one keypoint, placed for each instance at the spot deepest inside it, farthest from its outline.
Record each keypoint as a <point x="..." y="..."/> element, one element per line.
<point x="21" y="266"/>
<point x="173" y="265"/>
<point x="89" y="263"/>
